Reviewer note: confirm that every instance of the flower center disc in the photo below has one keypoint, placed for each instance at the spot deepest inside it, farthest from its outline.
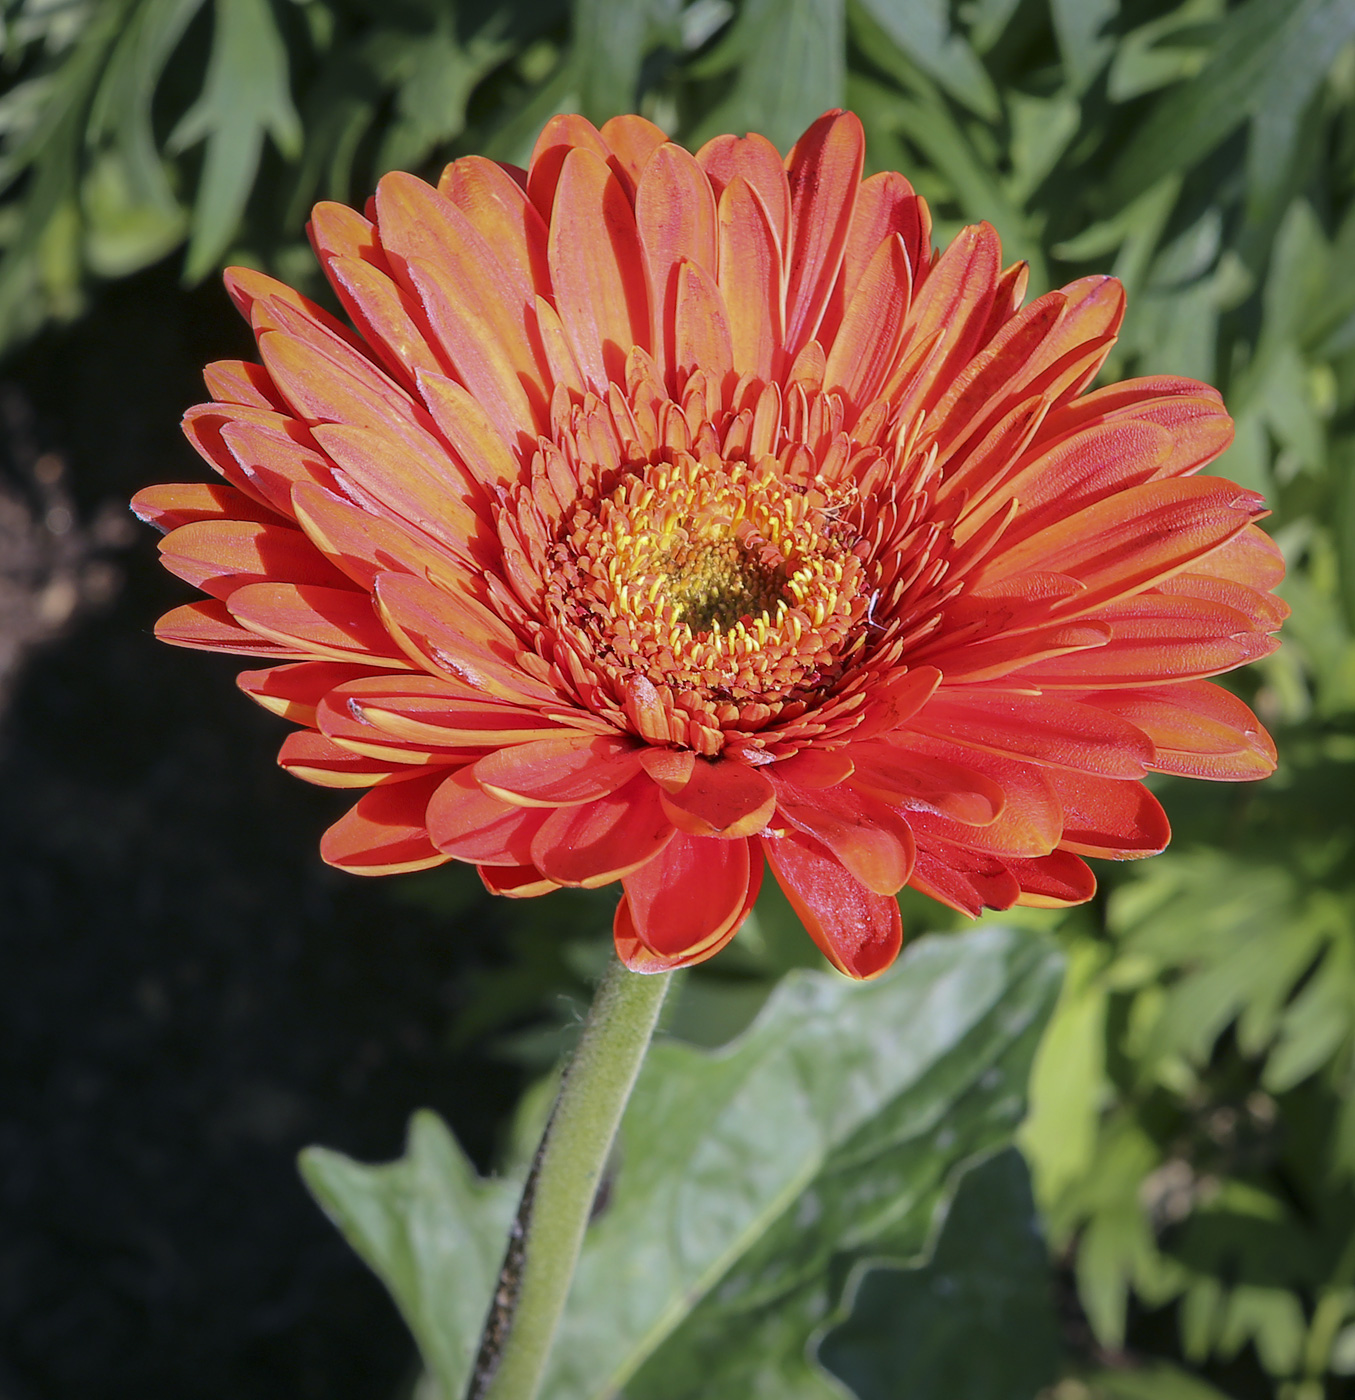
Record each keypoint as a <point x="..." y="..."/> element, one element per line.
<point x="719" y="581"/>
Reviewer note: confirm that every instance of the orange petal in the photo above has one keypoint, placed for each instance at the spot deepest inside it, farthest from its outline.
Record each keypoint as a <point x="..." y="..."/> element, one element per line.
<point x="500" y="212"/>
<point x="390" y="319"/>
<point x="1156" y="638"/>
<point x="515" y="881"/>
<point x="750" y="279"/>
<point x="220" y="556"/>
<point x="559" y="138"/>
<point x="885" y="205"/>
<point x="207" y="626"/>
<point x="385" y="834"/>
<point x="701" y="338"/>
<point x="754" y="159"/>
<point x="408" y="473"/>
<point x="327" y="624"/>
<point x="675" y="218"/>
<point x="1029" y="823"/>
<point x="459" y="638"/>
<point x="823" y="171"/>
<point x="952" y="306"/>
<point x="721" y="798"/>
<point x="597" y="269"/>
<point x="1199" y="730"/>
<point x="867" y="343"/>
<point x="478" y="317"/>
<point x="316" y="759"/>
<point x="601" y="841"/>
<point x="632" y="141"/>
<point x="169" y="507"/>
<point x="859" y="932"/>
<point x="561" y="771"/>
<point x="422" y="709"/>
<point x="1127" y="543"/>
<point x="250" y="290"/>
<point x="238" y="381"/>
<point x="362" y="544"/>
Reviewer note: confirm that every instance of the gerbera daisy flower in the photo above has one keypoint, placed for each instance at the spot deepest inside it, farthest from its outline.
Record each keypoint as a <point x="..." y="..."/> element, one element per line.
<point x="659" y="516"/>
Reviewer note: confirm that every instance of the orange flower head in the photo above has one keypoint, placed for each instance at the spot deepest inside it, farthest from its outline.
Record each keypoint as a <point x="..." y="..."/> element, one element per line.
<point x="660" y="514"/>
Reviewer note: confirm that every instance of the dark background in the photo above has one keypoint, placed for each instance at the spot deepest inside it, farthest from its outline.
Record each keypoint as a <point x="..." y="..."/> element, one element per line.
<point x="188" y="994"/>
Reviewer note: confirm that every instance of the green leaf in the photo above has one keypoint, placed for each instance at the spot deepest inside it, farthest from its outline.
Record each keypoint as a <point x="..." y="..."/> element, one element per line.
<point x="1068" y="1082"/>
<point x="1159" y="1382"/>
<point x="750" y="1178"/>
<point x="432" y="1232"/>
<point x="977" y="1320"/>
<point x="245" y="97"/>
<point x="1270" y="57"/>
<point x="1079" y="26"/>
<point x="922" y="29"/>
<point x="791" y="69"/>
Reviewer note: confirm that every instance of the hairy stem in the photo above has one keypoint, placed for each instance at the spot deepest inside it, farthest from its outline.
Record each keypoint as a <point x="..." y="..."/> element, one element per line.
<point x="557" y="1200"/>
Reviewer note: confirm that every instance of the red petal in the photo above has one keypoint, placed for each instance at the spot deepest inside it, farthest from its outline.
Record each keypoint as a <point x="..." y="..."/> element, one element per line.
<point x="871" y="840"/>
<point x="691" y="895"/>
<point x="385" y="833"/>
<point x="466" y="822"/>
<point x="1055" y="881"/>
<point x="860" y="933"/>
<point x="1102" y="817"/>
<point x="721" y="798"/>
<point x="601" y="841"/>
<point x="515" y="881"/>
<point x="903" y="772"/>
<point x="1199" y="729"/>
<point x="295" y="690"/>
<point x="964" y="880"/>
<point x="317" y="759"/>
<point x="562" y="771"/>
<point x="1046" y="729"/>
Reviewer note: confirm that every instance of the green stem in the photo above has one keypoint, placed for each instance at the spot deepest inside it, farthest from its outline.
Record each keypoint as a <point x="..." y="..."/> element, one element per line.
<point x="562" y="1186"/>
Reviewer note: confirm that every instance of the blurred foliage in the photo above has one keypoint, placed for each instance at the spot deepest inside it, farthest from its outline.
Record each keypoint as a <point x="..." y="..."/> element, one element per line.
<point x="1192" y="1141"/>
